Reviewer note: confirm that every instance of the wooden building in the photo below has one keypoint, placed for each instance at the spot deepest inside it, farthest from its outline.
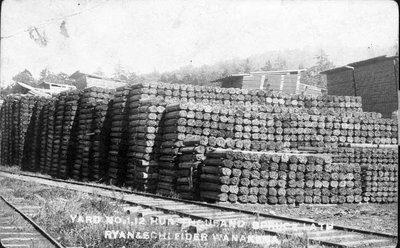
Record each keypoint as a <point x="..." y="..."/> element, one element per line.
<point x="287" y="81"/>
<point x="83" y="80"/>
<point x="375" y="80"/>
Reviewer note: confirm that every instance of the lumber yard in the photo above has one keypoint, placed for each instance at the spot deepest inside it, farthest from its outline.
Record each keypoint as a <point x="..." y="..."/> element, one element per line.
<point x="207" y="143"/>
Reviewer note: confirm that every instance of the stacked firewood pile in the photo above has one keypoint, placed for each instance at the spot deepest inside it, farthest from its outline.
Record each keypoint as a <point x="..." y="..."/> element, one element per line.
<point x="91" y="116"/>
<point x="118" y="146"/>
<point x="51" y="108"/>
<point x="58" y="128"/>
<point x="145" y="116"/>
<point x="334" y="105"/>
<point x="380" y="183"/>
<point x="278" y="178"/>
<point x="25" y="111"/>
<point x="379" y="168"/>
<point x="32" y="143"/>
<point x="7" y="130"/>
<point x="70" y="110"/>
<point x="101" y="127"/>
<point x="152" y="136"/>
<point x="16" y="117"/>
<point x="190" y="159"/>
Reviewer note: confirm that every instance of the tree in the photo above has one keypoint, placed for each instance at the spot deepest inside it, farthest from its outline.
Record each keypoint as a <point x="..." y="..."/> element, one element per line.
<point x="267" y="66"/>
<point x="247" y="68"/>
<point x="120" y="72"/>
<point x="25" y="77"/>
<point x="49" y="77"/>
<point x="312" y="76"/>
<point x="279" y="64"/>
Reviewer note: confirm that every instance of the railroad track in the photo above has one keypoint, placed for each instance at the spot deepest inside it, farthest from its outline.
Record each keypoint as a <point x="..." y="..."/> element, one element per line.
<point x="156" y="206"/>
<point x="17" y="230"/>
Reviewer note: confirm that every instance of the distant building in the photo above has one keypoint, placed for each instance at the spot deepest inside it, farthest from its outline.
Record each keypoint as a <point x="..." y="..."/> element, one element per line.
<point x="54" y="88"/>
<point x="287" y="81"/>
<point x="375" y="80"/>
<point x="83" y="80"/>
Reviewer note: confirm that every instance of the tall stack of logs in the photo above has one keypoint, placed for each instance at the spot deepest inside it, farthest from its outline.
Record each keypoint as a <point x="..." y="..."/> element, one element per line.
<point x="91" y="116"/>
<point x="32" y="144"/>
<point x="6" y="131"/>
<point x="71" y="107"/>
<point x="118" y="146"/>
<point x="26" y="106"/>
<point x="100" y="129"/>
<point x="190" y="159"/>
<point x="58" y="128"/>
<point x="50" y="134"/>
<point x="145" y="116"/>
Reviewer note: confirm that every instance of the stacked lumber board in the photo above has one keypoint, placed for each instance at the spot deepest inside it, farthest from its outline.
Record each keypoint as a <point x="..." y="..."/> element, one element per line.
<point x="118" y="137"/>
<point x="278" y="178"/>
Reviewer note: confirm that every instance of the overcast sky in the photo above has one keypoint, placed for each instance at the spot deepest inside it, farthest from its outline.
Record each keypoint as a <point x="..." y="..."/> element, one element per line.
<point x="165" y="35"/>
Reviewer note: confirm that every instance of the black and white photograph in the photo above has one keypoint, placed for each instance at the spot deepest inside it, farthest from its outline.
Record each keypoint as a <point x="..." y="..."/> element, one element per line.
<point x="191" y="124"/>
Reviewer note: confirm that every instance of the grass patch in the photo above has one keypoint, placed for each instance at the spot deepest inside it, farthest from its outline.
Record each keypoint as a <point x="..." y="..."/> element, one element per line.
<point x="58" y="205"/>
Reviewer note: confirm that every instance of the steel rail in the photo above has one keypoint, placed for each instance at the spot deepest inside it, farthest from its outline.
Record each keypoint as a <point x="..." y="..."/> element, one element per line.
<point x="36" y="226"/>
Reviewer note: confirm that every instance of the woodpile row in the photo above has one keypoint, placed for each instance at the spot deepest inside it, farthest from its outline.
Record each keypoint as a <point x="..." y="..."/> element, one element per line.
<point x="145" y="117"/>
<point x="88" y="162"/>
<point x="155" y="136"/>
<point x="16" y="112"/>
<point x="188" y="173"/>
<point x="118" y="137"/>
<point x="7" y="139"/>
<point x="379" y="171"/>
<point x="48" y="139"/>
<point x="32" y="147"/>
<point x="278" y="178"/>
<point x="66" y="147"/>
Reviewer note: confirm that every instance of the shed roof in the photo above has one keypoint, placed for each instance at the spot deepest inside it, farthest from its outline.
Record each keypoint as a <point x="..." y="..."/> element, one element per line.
<point x="232" y="76"/>
<point x="79" y="74"/>
<point x="359" y="63"/>
<point x="238" y="75"/>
